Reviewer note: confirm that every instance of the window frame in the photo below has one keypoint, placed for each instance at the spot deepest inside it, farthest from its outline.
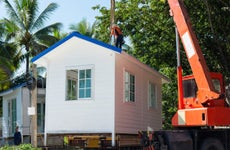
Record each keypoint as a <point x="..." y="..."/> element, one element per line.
<point x="79" y="69"/>
<point x="129" y="87"/>
<point x="71" y="80"/>
<point x="152" y="103"/>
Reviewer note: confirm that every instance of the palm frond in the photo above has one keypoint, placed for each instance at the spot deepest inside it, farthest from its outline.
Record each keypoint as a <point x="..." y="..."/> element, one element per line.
<point x="32" y="9"/>
<point x="36" y="48"/>
<point x="47" y="40"/>
<point x="44" y="16"/>
<point x="83" y="27"/>
<point x="48" y="29"/>
<point x="57" y="34"/>
<point x="6" y="65"/>
<point x="13" y="13"/>
<point x="10" y="28"/>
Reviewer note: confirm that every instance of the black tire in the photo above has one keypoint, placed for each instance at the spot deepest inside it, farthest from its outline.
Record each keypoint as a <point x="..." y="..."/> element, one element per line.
<point x="212" y="144"/>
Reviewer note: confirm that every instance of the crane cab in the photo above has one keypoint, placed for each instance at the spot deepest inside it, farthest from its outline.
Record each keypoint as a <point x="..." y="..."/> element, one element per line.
<point x="194" y="113"/>
<point x="190" y="99"/>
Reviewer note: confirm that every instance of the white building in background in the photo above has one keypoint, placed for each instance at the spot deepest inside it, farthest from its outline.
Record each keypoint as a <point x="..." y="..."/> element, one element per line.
<point x="15" y="103"/>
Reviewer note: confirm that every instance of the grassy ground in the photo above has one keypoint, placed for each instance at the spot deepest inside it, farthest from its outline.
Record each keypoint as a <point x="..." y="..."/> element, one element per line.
<point x="20" y="147"/>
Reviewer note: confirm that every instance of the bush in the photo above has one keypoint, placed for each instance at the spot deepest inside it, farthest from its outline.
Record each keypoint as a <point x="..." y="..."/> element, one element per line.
<point x="20" y="147"/>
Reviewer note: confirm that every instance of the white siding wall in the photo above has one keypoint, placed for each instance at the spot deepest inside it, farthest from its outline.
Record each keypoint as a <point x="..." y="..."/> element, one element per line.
<point x="5" y="128"/>
<point x="81" y="116"/>
<point x="130" y="117"/>
<point x="14" y="94"/>
<point x="25" y="105"/>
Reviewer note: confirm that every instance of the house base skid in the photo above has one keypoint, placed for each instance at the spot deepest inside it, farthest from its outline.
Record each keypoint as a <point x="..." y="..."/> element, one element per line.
<point x="190" y="139"/>
<point x="94" y="141"/>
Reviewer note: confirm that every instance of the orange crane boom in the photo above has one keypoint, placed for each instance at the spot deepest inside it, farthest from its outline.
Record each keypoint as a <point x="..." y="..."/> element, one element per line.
<point x="195" y="57"/>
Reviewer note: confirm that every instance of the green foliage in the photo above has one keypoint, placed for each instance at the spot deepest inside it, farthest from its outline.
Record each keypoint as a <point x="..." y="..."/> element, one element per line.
<point x="9" y="58"/>
<point x="169" y="99"/>
<point x="149" y="28"/>
<point x="103" y="24"/>
<point x="20" y="147"/>
<point x="84" y="28"/>
<point x="211" y="23"/>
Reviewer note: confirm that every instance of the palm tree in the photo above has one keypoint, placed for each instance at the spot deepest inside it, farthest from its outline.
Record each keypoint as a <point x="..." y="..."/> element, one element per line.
<point x="84" y="28"/>
<point x="26" y="28"/>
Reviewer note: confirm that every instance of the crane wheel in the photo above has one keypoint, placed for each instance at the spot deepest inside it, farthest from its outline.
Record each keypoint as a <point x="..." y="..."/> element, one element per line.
<point x="212" y="144"/>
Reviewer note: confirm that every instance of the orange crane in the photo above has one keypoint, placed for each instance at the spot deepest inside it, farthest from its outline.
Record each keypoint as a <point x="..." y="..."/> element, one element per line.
<point x="202" y="120"/>
<point x="202" y="99"/>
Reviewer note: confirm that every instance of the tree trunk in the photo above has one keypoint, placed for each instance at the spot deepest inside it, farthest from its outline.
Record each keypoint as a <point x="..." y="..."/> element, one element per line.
<point x="27" y="60"/>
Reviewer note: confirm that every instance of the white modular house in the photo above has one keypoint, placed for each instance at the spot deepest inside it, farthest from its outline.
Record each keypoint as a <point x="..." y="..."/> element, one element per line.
<point x="15" y="103"/>
<point x="93" y="87"/>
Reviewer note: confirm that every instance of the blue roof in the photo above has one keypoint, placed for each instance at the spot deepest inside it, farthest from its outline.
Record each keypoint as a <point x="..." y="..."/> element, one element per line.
<point x="75" y="34"/>
<point x="13" y="88"/>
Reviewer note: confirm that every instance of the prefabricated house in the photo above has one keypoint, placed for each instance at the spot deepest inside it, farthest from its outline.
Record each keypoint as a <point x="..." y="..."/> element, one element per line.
<point x="15" y="104"/>
<point x="96" y="88"/>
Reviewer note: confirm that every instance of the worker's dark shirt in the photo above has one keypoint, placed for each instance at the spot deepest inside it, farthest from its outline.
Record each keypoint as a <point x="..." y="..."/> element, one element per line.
<point x="17" y="138"/>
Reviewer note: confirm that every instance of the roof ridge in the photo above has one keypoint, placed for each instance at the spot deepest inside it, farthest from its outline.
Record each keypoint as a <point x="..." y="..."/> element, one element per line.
<point x="75" y="34"/>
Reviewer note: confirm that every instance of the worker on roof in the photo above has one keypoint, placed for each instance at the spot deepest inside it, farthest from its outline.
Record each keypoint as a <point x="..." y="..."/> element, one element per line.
<point x="117" y="33"/>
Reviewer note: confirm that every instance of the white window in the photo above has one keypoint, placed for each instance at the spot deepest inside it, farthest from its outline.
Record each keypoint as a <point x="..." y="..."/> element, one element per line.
<point x="129" y="87"/>
<point x="79" y="83"/>
<point x="152" y="95"/>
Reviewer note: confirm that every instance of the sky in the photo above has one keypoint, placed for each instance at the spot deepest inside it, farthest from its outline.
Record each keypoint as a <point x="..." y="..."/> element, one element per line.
<point x="69" y="11"/>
